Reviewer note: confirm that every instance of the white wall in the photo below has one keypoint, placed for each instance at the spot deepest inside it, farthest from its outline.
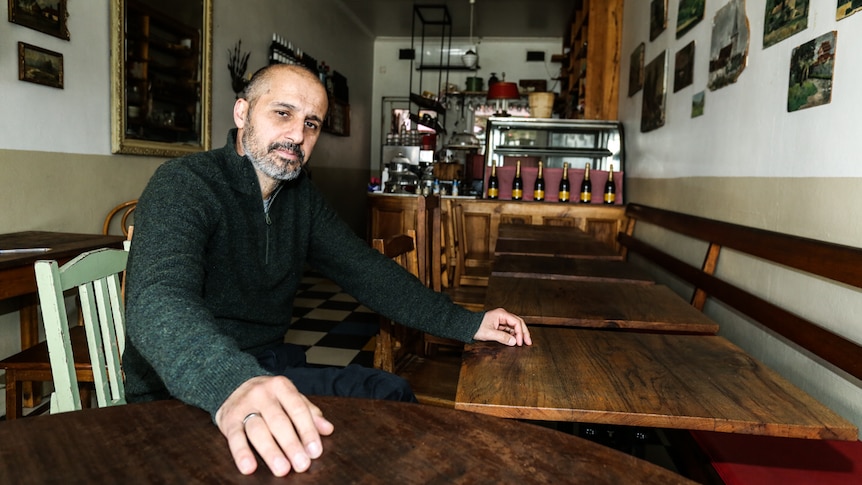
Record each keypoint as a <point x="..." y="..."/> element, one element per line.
<point x="748" y="161"/>
<point x="770" y="142"/>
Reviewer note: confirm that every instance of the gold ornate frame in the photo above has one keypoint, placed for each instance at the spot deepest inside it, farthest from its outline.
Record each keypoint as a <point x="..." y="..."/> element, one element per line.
<point x="120" y="142"/>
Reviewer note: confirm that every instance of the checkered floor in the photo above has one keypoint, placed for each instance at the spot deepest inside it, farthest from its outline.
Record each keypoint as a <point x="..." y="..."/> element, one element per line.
<point x="333" y="328"/>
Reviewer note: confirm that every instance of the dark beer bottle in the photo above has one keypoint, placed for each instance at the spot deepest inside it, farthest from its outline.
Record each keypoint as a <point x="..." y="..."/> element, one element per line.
<point x="610" y="192"/>
<point x="565" y="187"/>
<point x="539" y="186"/>
<point x="493" y="183"/>
<point x="518" y="183"/>
<point x="586" y="186"/>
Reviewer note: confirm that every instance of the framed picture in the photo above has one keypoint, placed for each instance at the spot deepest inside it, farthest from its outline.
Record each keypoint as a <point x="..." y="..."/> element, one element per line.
<point x="40" y="66"/>
<point x="683" y="68"/>
<point x="847" y="8"/>
<point x="812" y="65"/>
<point x="636" y="70"/>
<point x="657" y="18"/>
<point x="782" y="20"/>
<point x="698" y="102"/>
<point x="48" y="16"/>
<point x="655" y="87"/>
<point x="338" y="118"/>
<point x="690" y="14"/>
<point x="728" y="52"/>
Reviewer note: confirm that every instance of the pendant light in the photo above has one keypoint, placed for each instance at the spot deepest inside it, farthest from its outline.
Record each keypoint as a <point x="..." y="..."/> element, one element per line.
<point x="470" y="58"/>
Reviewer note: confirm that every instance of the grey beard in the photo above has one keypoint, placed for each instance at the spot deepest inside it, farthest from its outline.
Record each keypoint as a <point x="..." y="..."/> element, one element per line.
<point x="273" y="170"/>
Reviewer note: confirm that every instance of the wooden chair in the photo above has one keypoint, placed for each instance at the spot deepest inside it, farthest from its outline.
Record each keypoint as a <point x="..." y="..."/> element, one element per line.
<point x="96" y="274"/>
<point x="34" y="364"/>
<point x="470" y="296"/>
<point x="400" y="349"/>
<point x="124" y="211"/>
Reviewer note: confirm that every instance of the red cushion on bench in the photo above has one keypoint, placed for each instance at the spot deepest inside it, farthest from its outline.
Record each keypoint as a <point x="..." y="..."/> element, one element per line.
<point x="747" y="459"/>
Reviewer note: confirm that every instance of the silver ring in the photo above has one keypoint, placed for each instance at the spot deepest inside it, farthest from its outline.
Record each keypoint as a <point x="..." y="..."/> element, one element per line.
<point x="249" y="416"/>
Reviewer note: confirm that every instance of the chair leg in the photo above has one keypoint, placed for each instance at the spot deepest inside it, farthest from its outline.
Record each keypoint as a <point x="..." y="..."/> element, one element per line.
<point x="14" y="407"/>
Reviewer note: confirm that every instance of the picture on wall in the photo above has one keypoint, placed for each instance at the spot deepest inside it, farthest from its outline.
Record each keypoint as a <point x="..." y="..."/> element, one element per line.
<point x="847" y="8"/>
<point x="48" y="16"/>
<point x="654" y="95"/>
<point x="729" y="50"/>
<point x="811" y="68"/>
<point x="683" y="68"/>
<point x="784" y="19"/>
<point x="657" y="18"/>
<point x="636" y="70"/>
<point x="690" y="14"/>
<point x="40" y="66"/>
<point x="698" y="101"/>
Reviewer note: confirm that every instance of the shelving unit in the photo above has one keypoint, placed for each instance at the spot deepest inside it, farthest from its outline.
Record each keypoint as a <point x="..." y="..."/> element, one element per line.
<point x="432" y="24"/>
<point x="591" y="62"/>
<point x="163" y="77"/>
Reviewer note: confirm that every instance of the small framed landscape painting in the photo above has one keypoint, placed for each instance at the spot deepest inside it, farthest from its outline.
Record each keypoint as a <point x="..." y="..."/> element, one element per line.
<point x="40" y="66"/>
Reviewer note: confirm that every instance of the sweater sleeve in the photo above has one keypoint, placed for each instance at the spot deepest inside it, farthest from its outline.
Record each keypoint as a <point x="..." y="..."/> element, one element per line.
<point x="381" y="284"/>
<point x="168" y="323"/>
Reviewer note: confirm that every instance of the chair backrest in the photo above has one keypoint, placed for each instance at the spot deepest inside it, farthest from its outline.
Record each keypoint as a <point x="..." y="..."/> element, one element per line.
<point x="429" y="241"/>
<point x="396" y="342"/>
<point x="96" y="275"/>
<point x="124" y="211"/>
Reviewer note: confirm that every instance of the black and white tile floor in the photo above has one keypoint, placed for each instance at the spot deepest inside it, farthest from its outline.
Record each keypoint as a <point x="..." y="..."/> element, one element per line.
<point x="331" y="325"/>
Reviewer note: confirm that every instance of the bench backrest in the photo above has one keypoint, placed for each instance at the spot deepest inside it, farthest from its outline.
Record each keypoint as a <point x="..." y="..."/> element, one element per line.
<point x="833" y="261"/>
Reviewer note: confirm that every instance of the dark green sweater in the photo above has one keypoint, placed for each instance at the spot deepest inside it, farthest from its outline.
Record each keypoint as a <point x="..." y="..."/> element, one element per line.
<point x="211" y="278"/>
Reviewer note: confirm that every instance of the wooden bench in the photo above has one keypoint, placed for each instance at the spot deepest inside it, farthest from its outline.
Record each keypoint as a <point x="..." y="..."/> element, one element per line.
<point x="741" y="459"/>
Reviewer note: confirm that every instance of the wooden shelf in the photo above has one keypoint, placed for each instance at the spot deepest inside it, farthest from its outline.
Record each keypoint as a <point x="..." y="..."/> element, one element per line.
<point x="590" y="68"/>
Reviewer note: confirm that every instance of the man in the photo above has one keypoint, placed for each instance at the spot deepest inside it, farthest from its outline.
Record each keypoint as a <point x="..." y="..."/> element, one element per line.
<point x="221" y="241"/>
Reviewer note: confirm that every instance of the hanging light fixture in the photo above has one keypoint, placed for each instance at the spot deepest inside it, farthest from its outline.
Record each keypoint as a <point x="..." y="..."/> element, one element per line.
<point x="470" y="58"/>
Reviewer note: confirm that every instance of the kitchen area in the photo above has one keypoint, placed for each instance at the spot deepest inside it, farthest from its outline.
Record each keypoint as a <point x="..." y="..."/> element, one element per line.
<point x="448" y="109"/>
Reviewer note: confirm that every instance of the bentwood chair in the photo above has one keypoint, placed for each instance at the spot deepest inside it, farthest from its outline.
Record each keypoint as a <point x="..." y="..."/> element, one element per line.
<point x="96" y="275"/>
<point x="401" y="350"/>
<point x="124" y="212"/>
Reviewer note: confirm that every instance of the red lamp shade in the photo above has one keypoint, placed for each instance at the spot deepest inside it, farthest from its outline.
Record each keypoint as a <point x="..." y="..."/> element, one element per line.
<point x="503" y="90"/>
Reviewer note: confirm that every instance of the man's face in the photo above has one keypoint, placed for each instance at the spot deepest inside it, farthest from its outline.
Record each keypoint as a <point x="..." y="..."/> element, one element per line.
<point x="280" y="128"/>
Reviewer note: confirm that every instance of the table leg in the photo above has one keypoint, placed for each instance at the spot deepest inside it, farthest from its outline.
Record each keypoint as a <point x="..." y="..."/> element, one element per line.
<point x="29" y="317"/>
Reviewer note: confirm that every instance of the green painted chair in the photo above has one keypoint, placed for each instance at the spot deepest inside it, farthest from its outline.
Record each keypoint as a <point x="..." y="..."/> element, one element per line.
<point x="96" y="275"/>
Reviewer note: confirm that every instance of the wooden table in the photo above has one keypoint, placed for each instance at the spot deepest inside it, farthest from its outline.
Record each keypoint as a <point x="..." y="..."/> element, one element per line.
<point x="581" y="248"/>
<point x="17" y="278"/>
<point x="554" y="268"/>
<point x="374" y="442"/>
<point x="695" y="382"/>
<point x="534" y="232"/>
<point x="541" y="240"/>
<point x="596" y="304"/>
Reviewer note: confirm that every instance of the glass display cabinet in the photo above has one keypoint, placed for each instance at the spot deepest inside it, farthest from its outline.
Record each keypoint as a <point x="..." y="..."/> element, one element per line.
<point x="554" y="142"/>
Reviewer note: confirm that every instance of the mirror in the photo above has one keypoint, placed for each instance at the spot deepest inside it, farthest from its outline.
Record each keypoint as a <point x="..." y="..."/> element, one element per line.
<point x="161" y="75"/>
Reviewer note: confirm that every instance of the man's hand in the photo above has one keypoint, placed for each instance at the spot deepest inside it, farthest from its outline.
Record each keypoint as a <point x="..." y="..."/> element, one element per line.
<point x="504" y="327"/>
<point x="270" y="414"/>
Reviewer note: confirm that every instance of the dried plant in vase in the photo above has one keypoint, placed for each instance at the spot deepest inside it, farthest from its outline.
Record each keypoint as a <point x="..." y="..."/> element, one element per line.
<point x="237" y="65"/>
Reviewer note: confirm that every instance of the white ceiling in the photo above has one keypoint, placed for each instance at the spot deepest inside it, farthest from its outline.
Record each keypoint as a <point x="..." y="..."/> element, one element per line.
<point x="491" y="18"/>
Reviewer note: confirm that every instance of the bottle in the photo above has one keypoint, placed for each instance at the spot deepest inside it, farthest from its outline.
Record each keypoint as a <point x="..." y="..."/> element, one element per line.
<point x="586" y="186"/>
<point x="435" y="187"/>
<point x="565" y="187"/>
<point x="610" y="192"/>
<point x="518" y="183"/>
<point x="454" y="188"/>
<point x="539" y="186"/>
<point x="493" y="183"/>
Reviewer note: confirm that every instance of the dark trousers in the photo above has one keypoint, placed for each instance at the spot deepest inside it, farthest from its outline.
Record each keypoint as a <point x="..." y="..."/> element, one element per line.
<point x="351" y="381"/>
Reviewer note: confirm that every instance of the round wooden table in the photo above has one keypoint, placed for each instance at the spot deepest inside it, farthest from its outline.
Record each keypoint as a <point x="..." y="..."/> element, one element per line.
<point x="374" y="442"/>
